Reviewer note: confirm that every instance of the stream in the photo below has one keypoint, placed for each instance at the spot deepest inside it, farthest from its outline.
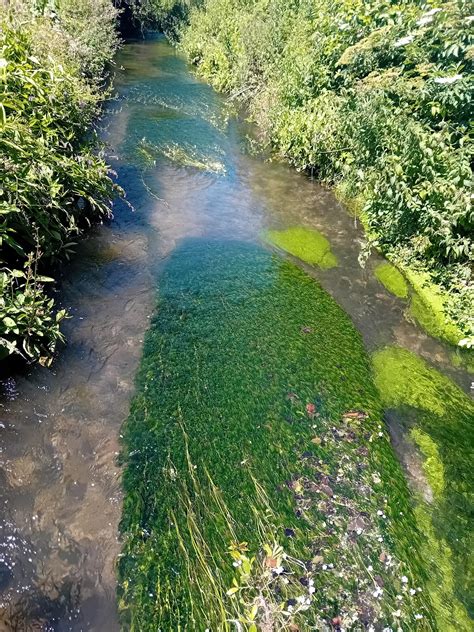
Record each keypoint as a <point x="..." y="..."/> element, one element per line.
<point x="186" y="165"/>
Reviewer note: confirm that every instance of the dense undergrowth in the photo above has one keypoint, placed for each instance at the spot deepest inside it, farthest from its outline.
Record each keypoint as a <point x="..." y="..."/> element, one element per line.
<point x="54" y="182"/>
<point x="261" y="490"/>
<point x="374" y="97"/>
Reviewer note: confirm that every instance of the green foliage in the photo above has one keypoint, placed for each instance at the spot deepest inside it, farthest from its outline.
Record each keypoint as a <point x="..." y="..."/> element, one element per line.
<point x="372" y="96"/>
<point x="54" y="183"/>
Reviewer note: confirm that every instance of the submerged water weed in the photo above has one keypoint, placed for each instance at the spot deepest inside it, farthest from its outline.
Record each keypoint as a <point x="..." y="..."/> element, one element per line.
<point x="307" y="244"/>
<point x="256" y="421"/>
<point x="442" y="430"/>
<point x="181" y="155"/>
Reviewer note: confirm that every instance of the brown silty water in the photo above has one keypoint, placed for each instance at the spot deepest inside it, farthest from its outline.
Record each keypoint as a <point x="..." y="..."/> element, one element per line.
<point x="183" y="163"/>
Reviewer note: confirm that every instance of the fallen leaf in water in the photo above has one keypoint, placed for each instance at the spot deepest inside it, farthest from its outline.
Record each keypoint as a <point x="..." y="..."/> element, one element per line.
<point x="310" y="409"/>
<point x="327" y="490"/>
<point x="316" y="440"/>
<point x="297" y="487"/>
<point x="355" y="414"/>
<point x="271" y="562"/>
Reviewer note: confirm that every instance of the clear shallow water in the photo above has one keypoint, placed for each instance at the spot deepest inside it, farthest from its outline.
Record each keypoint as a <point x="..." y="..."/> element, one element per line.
<point x="60" y="491"/>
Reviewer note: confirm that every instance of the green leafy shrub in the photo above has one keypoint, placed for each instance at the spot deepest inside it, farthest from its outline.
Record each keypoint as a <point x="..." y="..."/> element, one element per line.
<point x="54" y="182"/>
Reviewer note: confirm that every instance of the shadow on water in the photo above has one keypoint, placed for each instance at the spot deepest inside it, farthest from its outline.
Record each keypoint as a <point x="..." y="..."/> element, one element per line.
<point x="59" y="434"/>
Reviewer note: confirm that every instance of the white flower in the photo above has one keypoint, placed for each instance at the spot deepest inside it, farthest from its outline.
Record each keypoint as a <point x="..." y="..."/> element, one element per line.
<point x="311" y="590"/>
<point x="433" y="11"/>
<point x="399" y="597"/>
<point x="404" y="579"/>
<point x="412" y="591"/>
<point x="403" y="41"/>
<point x="397" y="613"/>
<point x="426" y="19"/>
<point x="278" y="570"/>
<point x="445" y="80"/>
<point x="379" y="512"/>
<point x="370" y="568"/>
<point x="418" y="616"/>
<point x="237" y="563"/>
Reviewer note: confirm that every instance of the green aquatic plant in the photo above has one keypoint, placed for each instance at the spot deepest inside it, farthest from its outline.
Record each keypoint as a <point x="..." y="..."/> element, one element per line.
<point x="307" y="244"/>
<point x="186" y="156"/>
<point x="432" y="463"/>
<point x="392" y="279"/>
<point x="441" y="417"/>
<point x="253" y="378"/>
<point x="428" y="308"/>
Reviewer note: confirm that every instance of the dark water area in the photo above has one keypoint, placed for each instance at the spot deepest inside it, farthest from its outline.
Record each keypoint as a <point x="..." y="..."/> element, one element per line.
<point x="184" y="161"/>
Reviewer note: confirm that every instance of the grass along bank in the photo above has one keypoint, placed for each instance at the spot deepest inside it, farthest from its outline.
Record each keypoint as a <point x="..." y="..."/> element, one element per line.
<point x="261" y="490"/>
<point x="376" y="99"/>
<point x="55" y="183"/>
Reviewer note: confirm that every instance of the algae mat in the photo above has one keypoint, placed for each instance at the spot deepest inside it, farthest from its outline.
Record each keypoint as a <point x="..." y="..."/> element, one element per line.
<point x="261" y="490"/>
<point x="438" y="418"/>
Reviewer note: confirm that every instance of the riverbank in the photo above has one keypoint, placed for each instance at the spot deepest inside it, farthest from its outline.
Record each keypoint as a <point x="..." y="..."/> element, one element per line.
<point x="55" y="182"/>
<point x="372" y="100"/>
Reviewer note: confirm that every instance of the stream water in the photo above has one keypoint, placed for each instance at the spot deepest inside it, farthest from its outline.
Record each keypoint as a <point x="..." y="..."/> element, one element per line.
<point x="185" y="165"/>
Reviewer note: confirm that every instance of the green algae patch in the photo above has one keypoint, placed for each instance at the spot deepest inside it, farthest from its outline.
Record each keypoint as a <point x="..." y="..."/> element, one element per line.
<point x="392" y="279"/>
<point x="428" y="308"/>
<point x="307" y="244"/>
<point x="259" y="480"/>
<point x="441" y="417"/>
<point x="432" y="463"/>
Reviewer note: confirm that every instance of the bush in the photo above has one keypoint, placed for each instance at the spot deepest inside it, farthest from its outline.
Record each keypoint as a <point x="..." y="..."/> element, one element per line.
<point x="55" y="183"/>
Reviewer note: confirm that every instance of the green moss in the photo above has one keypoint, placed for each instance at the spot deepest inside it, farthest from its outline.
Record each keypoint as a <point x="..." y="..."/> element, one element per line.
<point x="428" y="308"/>
<point x="432" y="464"/>
<point x="442" y="417"/>
<point x="451" y="615"/>
<point x="392" y="279"/>
<point x="248" y="370"/>
<point x="404" y="378"/>
<point x="307" y="244"/>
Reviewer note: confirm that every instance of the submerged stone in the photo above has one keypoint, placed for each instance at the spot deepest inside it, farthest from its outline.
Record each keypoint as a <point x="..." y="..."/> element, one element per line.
<point x="392" y="279"/>
<point x="307" y="244"/>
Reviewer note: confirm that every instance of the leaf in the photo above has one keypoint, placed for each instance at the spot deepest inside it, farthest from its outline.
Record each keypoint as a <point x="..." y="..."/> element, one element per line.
<point x="232" y="591"/>
<point x="9" y="322"/>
